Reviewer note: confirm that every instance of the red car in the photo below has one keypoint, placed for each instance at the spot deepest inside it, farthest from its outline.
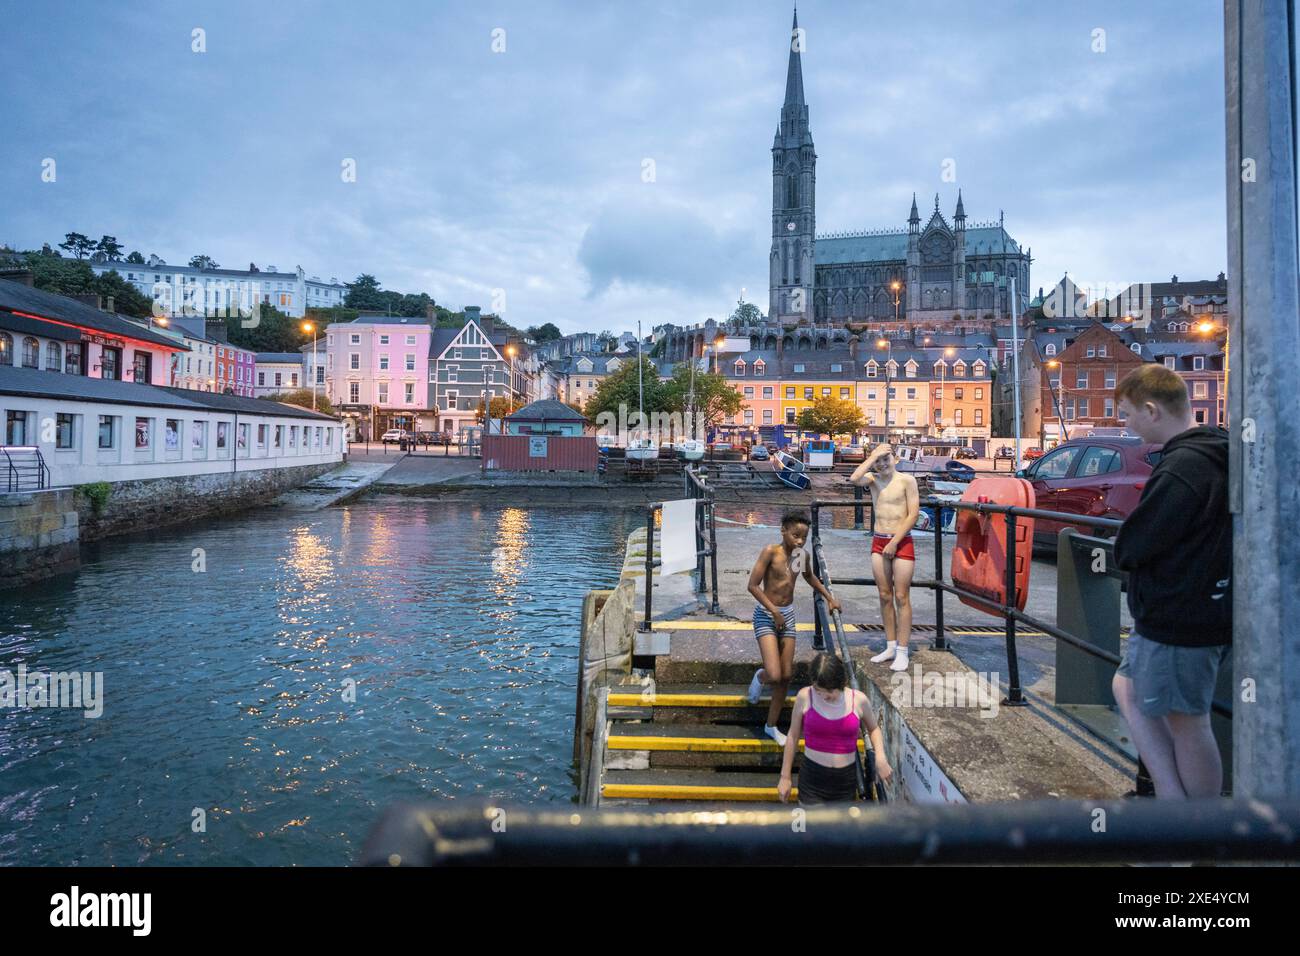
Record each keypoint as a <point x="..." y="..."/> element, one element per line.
<point x="1099" y="477"/>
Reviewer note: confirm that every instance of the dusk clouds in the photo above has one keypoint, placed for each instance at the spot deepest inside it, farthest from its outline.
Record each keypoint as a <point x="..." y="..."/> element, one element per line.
<point x="515" y="161"/>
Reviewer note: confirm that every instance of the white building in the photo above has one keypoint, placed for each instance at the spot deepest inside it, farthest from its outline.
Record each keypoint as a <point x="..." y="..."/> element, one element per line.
<point x="105" y="430"/>
<point x="191" y="291"/>
<point x="278" y="372"/>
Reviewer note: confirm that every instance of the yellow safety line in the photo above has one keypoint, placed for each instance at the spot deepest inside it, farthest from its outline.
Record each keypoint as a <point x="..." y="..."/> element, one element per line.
<point x="686" y="700"/>
<point x="725" y="745"/>
<point x="646" y="791"/>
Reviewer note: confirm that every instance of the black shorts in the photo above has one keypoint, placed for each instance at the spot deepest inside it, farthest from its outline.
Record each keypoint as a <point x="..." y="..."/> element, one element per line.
<point x="821" y="784"/>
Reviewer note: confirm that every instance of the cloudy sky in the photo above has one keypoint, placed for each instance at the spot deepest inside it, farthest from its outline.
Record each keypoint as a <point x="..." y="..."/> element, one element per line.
<point x="521" y="173"/>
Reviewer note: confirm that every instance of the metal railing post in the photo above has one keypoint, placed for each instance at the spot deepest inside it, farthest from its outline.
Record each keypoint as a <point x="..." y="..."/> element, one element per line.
<point x="857" y="508"/>
<point x="819" y="636"/>
<point x="713" y="554"/>
<point x="940" y="642"/>
<point x="649" y="568"/>
<point x="1014" y="696"/>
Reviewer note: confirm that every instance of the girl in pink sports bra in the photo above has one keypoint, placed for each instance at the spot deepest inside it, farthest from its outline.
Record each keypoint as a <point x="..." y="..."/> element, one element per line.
<point x="829" y="716"/>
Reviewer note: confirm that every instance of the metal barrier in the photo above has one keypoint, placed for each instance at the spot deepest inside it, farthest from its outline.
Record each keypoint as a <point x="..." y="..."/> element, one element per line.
<point x="706" y="545"/>
<point x="474" y="833"/>
<point x="1062" y="632"/>
<point x="25" y="468"/>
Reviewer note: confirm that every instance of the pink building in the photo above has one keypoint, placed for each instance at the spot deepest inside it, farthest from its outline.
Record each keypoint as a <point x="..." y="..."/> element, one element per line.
<point x="377" y="374"/>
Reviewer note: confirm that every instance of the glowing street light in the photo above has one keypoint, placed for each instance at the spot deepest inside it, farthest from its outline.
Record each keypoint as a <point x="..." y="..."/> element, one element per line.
<point x="309" y="328"/>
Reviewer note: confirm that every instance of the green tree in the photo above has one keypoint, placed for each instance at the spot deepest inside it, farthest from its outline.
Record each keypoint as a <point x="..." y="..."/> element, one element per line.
<point x="500" y="407"/>
<point x="547" y="332"/>
<point x="302" y="398"/>
<point x="620" y="388"/>
<point x="714" y="400"/>
<point x="274" y="331"/>
<point x="363" y="293"/>
<point x="110" y="247"/>
<point x="204" y="262"/>
<point x="746" y="313"/>
<point x="54" y="273"/>
<point x="831" y="416"/>
<point x="77" y="244"/>
<point x="135" y="259"/>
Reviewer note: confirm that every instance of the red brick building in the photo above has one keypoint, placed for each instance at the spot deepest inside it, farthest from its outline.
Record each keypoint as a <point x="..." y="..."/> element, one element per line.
<point x="1079" y="383"/>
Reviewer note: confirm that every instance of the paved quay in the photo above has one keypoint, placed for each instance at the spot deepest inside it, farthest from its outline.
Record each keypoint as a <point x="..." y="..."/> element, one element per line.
<point x="1012" y="753"/>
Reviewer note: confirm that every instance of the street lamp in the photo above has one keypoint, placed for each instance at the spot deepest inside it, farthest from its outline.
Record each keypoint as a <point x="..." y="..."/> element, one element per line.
<point x="895" y="285"/>
<point x="1059" y="399"/>
<point x="510" y="354"/>
<point x="943" y="379"/>
<point x="718" y="343"/>
<point x="889" y="347"/>
<point x="1208" y="328"/>
<point x="310" y="329"/>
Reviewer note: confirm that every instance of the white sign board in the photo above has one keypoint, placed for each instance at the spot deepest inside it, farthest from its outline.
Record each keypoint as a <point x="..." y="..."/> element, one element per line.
<point x="677" y="537"/>
<point x="537" y="447"/>
<point x="923" y="781"/>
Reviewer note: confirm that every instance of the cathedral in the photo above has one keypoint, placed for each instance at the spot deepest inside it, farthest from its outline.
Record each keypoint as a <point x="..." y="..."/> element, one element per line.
<point x="937" y="274"/>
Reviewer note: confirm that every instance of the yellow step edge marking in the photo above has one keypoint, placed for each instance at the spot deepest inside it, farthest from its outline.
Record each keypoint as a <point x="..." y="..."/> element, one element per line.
<point x="646" y="791"/>
<point x="722" y="745"/>
<point x="687" y="700"/>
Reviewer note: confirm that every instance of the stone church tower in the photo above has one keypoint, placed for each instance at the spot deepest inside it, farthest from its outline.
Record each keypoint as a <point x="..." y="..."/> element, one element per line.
<point x="794" y="184"/>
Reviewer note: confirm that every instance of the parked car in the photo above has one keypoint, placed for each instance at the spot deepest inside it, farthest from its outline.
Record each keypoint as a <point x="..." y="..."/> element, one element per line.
<point x="395" y="435"/>
<point x="758" y="453"/>
<point x="1098" y="477"/>
<point x="966" y="453"/>
<point x="431" y="438"/>
<point x="1033" y="454"/>
<point x="1006" y="451"/>
<point x="853" y="453"/>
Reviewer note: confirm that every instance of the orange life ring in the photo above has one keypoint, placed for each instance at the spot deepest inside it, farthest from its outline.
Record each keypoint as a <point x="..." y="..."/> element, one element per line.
<point x="980" y="555"/>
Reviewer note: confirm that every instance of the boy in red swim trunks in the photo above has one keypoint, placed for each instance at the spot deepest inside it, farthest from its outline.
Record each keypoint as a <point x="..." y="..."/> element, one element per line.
<point x="895" y="505"/>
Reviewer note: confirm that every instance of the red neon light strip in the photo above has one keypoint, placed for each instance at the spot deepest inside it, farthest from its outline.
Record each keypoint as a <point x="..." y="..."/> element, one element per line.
<point x="82" y="328"/>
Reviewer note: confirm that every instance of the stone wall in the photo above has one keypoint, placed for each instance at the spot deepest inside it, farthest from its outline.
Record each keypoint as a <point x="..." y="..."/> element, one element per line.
<point x="38" y="535"/>
<point x="157" y="502"/>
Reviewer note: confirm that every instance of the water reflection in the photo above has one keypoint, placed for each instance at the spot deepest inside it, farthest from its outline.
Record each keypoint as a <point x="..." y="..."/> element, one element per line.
<point x="461" y="646"/>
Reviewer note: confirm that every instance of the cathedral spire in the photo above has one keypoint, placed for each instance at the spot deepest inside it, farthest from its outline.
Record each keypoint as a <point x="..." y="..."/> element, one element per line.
<point x="794" y="73"/>
<point x="960" y="215"/>
<point x="915" y="216"/>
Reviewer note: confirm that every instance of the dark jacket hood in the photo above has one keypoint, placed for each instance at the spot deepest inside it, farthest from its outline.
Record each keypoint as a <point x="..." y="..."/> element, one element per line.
<point x="1207" y="440"/>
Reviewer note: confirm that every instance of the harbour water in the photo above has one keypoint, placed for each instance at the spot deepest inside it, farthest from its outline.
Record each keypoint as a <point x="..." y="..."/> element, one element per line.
<point x="265" y="710"/>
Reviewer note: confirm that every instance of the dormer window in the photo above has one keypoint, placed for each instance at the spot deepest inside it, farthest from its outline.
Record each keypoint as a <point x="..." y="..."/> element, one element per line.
<point x="871" y="369"/>
<point x="1198" y="363"/>
<point x="740" y="368"/>
<point x="1169" y="362"/>
<point x="978" y="369"/>
<point x="891" y="367"/>
<point x="959" y="369"/>
<point x="1050" y="349"/>
<point x="909" y="369"/>
<point x="1136" y="347"/>
<point x="760" y="367"/>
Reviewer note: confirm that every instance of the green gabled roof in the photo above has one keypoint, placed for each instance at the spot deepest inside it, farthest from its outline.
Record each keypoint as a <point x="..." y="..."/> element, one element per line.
<point x="892" y="246"/>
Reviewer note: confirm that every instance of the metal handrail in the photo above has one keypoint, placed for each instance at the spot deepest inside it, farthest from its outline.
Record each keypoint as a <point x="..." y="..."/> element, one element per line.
<point x="1020" y="832"/>
<point x="864" y="765"/>
<point x="13" y="474"/>
<point x="706" y="545"/>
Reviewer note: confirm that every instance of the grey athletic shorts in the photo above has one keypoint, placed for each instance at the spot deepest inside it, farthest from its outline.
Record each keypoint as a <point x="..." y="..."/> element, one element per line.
<point x="1171" y="679"/>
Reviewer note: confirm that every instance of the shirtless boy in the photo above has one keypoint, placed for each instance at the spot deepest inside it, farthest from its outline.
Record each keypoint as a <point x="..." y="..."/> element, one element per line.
<point x="772" y="584"/>
<point x="895" y="505"/>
